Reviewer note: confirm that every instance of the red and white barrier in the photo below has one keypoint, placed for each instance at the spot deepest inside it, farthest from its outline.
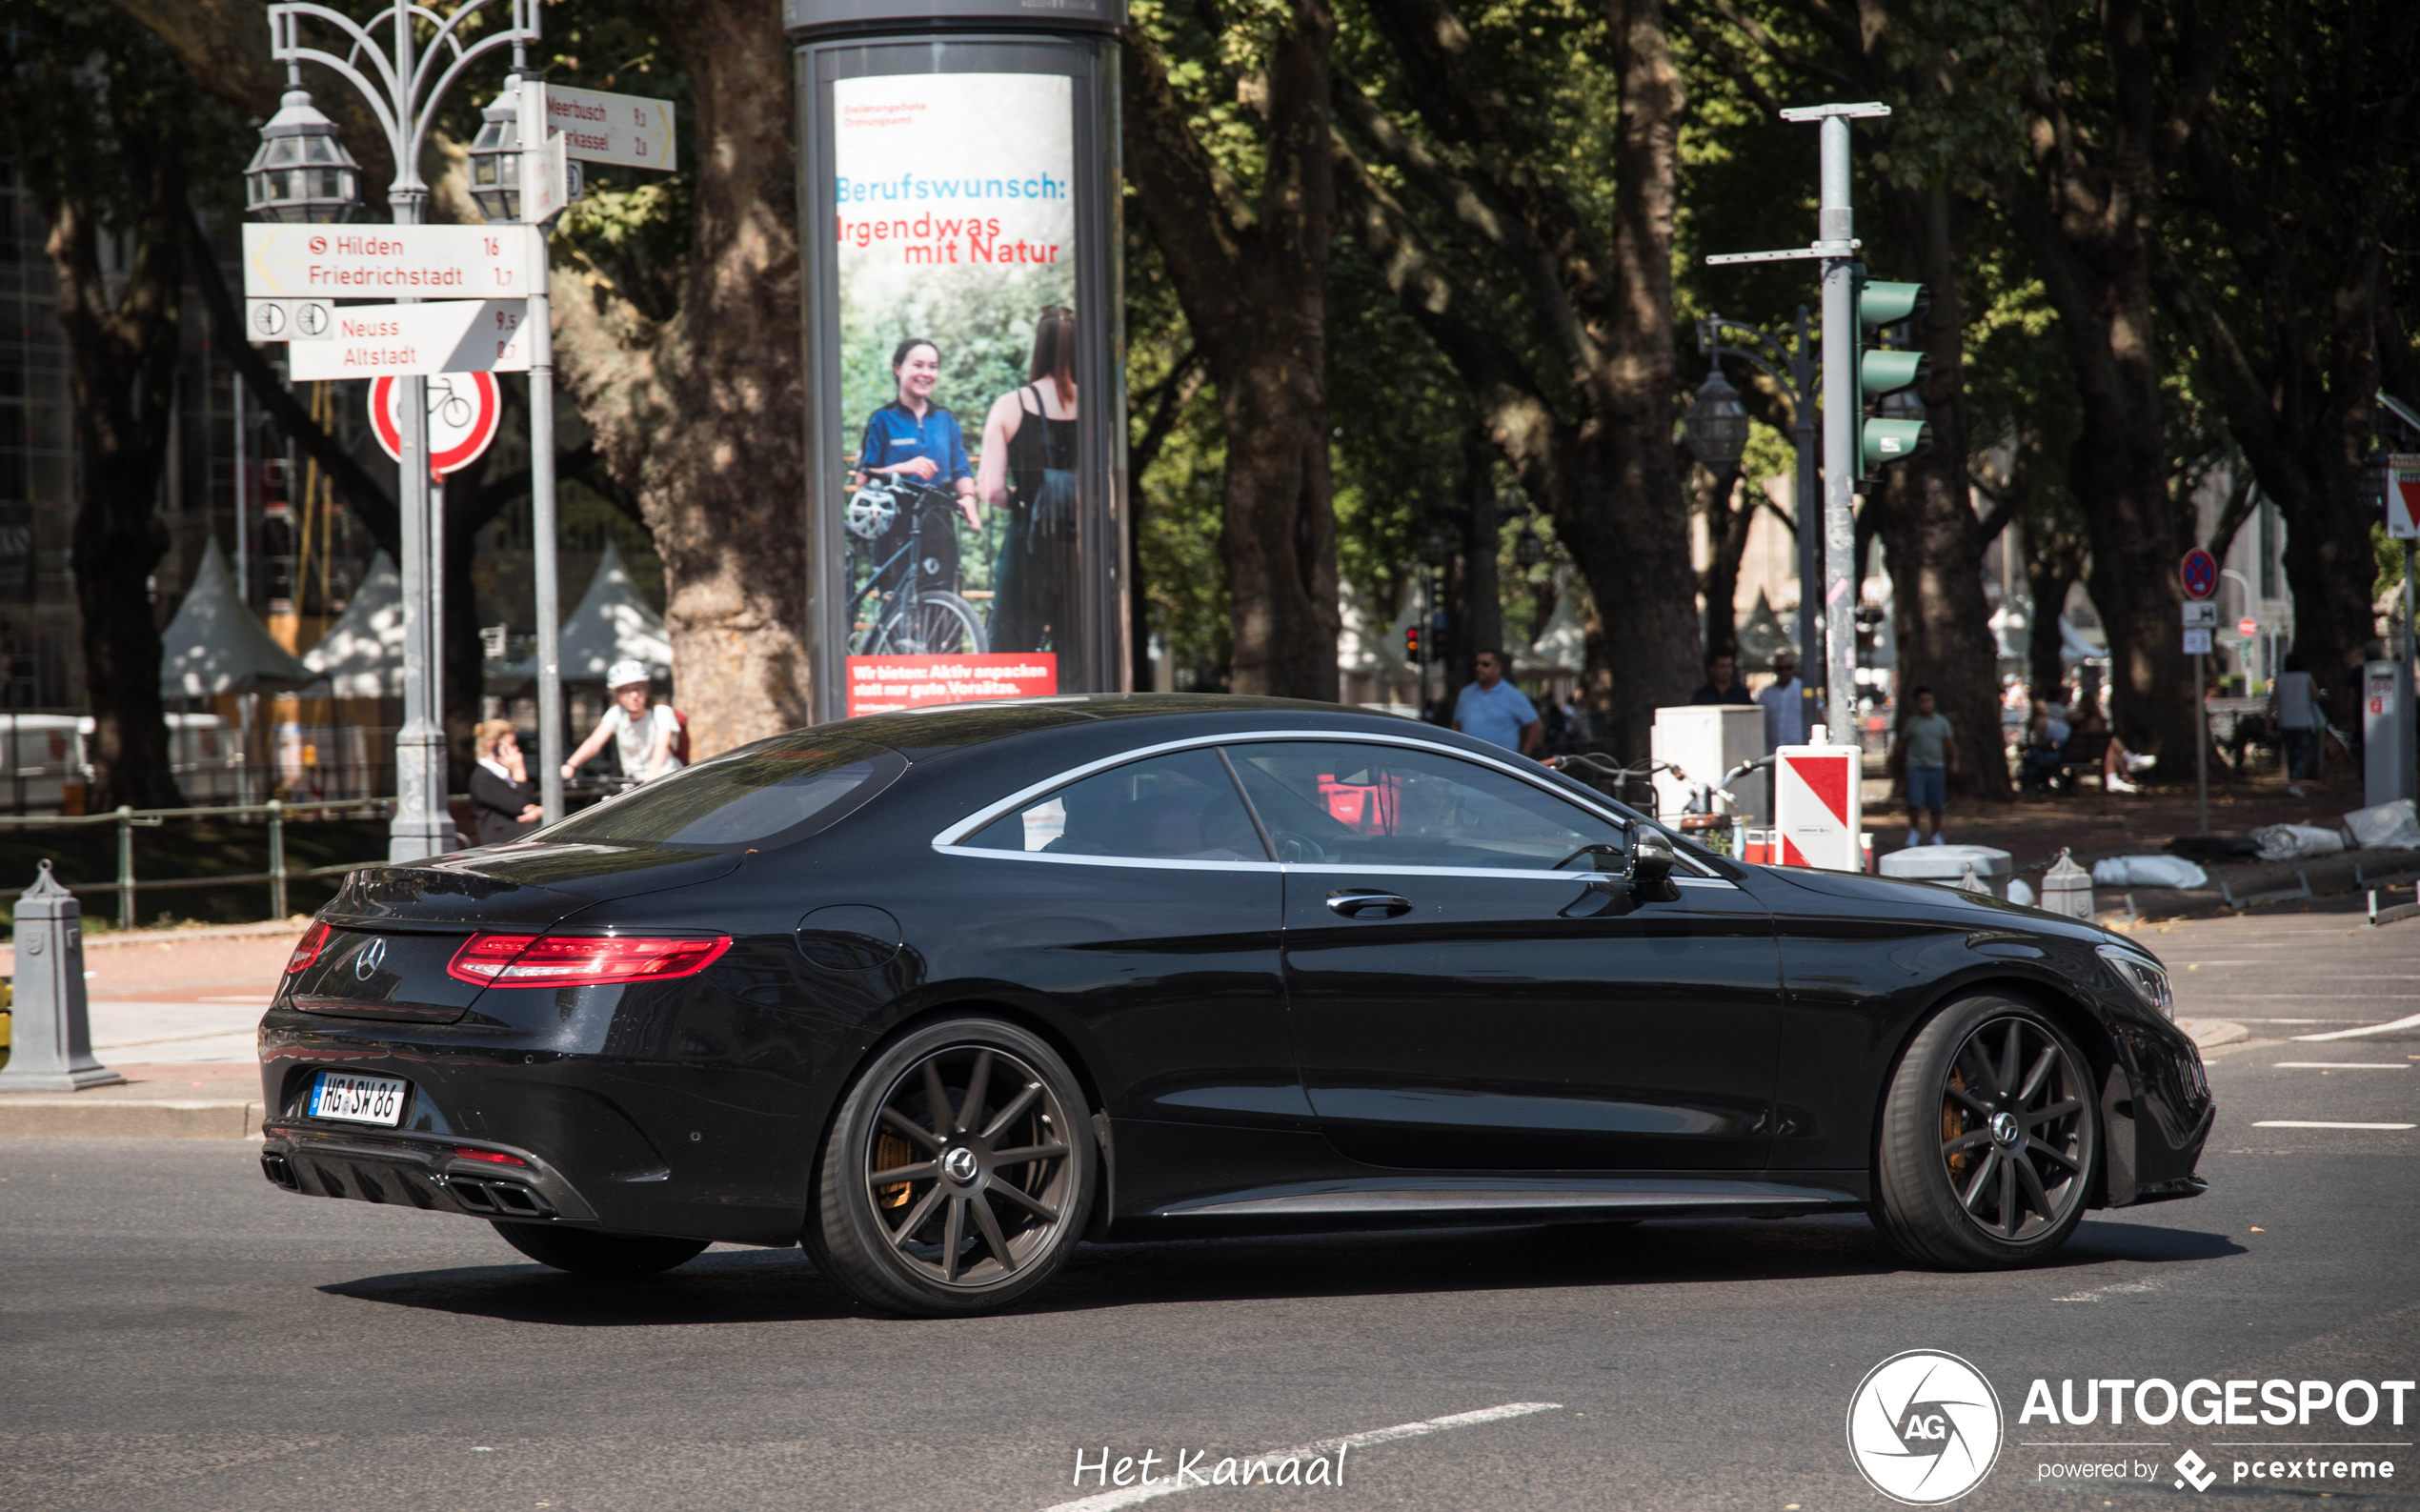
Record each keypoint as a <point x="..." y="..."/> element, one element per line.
<point x="1817" y="817"/>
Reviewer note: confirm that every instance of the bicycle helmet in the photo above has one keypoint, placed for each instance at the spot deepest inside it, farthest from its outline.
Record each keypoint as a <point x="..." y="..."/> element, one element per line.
<point x="871" y="511"/>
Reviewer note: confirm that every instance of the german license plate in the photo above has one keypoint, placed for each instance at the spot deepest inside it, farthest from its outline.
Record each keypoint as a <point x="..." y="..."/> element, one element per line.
<point x="357" y="1098"/>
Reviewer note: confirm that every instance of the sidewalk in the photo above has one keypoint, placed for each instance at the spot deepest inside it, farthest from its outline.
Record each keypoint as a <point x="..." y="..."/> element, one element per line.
<point x="174" y="1013"/>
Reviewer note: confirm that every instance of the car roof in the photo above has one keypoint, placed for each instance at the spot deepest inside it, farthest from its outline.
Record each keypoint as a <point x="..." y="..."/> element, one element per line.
<point x="922" y="732"/>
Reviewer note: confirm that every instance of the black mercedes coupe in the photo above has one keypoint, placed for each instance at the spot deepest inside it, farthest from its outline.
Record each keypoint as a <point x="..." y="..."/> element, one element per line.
<point x="940" y="993"/>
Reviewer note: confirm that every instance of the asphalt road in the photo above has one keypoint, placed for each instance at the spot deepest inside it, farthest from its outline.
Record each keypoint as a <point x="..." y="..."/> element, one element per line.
<point x="177" y="1332"/>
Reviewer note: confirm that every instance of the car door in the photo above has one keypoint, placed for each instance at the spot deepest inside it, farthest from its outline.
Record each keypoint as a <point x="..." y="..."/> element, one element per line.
<point x="1460" y="1000"/>
<point x="1139" y="897"/>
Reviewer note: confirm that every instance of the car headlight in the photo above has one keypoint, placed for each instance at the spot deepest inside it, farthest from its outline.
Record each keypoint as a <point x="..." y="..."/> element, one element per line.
<point x="2145" y="977"/>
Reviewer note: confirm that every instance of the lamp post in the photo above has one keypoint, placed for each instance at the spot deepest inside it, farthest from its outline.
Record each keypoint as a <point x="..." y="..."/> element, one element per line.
<point x="1796" y="372"/>
<point x="495" y="183"/>
<point x="403" y="84"/>
<point x="1436" y="552"/>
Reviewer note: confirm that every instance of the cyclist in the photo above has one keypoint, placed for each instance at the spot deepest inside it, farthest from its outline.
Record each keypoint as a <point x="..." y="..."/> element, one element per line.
<point x="642" y="735"/>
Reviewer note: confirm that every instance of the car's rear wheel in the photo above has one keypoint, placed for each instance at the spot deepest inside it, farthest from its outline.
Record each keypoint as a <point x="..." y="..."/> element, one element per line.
<point x="956" y="1172"/>
<point x="604" y="1256"/>
<point x="1989" y="1136"/>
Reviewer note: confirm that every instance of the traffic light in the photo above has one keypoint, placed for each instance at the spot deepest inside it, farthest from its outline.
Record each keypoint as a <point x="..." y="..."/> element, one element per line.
<point x="1411" y="643"/>
<point x="1881" y="371"/>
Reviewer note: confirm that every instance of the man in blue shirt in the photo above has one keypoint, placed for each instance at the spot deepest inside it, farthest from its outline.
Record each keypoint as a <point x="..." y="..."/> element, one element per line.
<point x="1494" y="709"/>
<point x="912" y="437"/>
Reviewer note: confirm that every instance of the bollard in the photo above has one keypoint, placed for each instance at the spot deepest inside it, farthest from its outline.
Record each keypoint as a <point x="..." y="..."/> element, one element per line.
<point x="125" y="868"/>
<point x="51" y="1047"/>
<point x="2066" y="888"/>
<point x="276" y="859"/>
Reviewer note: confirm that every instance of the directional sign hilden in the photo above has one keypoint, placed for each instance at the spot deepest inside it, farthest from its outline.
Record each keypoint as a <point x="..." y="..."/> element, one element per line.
<point x="624" y="129"/>
<point x="383" y="262"/>
<point x="444" y="336"/>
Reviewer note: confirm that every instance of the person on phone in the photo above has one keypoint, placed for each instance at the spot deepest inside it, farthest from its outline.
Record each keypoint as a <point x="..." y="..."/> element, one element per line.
<point x="642" y="735"/>
<point x="1029" y="470"/>
<point x="503" y="802"/>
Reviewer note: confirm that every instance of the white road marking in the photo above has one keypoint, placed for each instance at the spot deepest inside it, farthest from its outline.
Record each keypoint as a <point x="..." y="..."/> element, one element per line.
<point x="1131" y="1495"/>
<point x="2348" y="1066"/>
<point x="2118" y="1289"/>
<point x="2308" y="1124"/>
<point x="2368" y="1029"/>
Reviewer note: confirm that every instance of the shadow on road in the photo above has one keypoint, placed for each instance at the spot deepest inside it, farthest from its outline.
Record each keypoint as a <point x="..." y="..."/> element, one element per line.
<point x="781" y="1285"/>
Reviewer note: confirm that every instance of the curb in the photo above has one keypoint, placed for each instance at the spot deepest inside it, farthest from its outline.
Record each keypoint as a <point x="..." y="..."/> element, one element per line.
<point x="2209" y="1034"/>
<point x="78" y="1116"/>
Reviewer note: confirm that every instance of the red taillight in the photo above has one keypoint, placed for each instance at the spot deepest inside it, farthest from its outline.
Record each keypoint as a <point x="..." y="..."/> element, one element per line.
<point x="463" y="1152"/>
<point x="307" y="948"/>
<point x="580" y="960"/>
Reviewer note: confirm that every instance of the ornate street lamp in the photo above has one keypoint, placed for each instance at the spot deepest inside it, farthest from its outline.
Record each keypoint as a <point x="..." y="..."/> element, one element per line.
<point x="302" y="174"/>
<point x="1717" y="423"/>
<point x="495" y="156"/>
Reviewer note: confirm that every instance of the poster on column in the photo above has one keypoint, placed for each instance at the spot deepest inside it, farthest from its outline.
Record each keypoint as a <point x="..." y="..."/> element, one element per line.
<point x="956" y="225"/>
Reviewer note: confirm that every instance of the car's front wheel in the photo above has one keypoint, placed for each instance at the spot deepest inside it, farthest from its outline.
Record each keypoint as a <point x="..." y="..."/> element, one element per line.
<point x="1989" y="1136"/>
<point x="601" y="1257"/>
<point x="955" y="1175"/>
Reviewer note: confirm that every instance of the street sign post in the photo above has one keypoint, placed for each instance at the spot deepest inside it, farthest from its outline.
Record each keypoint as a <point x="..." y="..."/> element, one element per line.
<point x="383" y="262"/>
<point x="627" y="130"/>
<point x="444" y="336"/>
<point x="2198" y="571"/>
<point x="2403" y="496"/>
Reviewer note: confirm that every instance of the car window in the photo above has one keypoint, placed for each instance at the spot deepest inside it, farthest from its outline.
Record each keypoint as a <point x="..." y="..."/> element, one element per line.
<point x="1179" y="806"/>
<point x="767" y="794"/>
<point x="1344" y="804"/>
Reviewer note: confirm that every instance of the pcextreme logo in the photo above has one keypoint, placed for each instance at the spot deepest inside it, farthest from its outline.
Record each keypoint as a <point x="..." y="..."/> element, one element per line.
<point x="1924" y="1428"/>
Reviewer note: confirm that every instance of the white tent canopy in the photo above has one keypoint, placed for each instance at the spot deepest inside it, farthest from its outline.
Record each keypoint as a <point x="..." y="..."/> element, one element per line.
<point x="361" y="656"/>
<point x="214" y="644"/>
<point x="1563" y="645"/>
<point x="611" y="623"/>
<point x="1378" y="652"/>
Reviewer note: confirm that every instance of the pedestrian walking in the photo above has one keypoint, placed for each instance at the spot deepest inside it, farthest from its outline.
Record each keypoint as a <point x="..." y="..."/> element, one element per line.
<point x="1785" y="705"/>
<point x="2293" y="702"/>
<point x="643" y="733"/>
<point x="1926" y="756"/>
<point x="1496" y="711"/>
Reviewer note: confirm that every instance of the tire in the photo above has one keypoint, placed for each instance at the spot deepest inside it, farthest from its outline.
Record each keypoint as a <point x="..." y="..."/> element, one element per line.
<point x="1955" y="1186"/>
<point x="958" y="1230"/>
<point x="601" y="1257"/>
<point x="944" y="624"/>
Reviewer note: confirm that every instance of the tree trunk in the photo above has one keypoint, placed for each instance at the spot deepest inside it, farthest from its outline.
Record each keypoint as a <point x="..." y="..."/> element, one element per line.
<point x="1727" y="522"/>
<point x="122" y="374"/>
<point x="1253" y="280"/>
<point x="702" y="415"/>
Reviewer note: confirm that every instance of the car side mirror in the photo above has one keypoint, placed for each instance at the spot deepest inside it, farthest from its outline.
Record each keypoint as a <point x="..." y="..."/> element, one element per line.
<point x="1651" y="857"/>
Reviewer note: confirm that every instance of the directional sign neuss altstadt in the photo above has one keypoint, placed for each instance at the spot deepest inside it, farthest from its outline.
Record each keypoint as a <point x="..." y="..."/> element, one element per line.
<point x="445" y="336"/>
<point x="384" y="262"/>
<point x="622" y="129"/>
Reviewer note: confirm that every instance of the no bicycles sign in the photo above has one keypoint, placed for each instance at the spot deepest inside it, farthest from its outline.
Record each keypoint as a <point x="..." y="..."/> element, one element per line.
<point x="463" y="409"/>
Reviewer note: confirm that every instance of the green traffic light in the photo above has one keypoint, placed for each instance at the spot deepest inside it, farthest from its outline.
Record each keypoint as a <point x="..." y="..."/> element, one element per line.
<point x="1881" y="371"/>
<point x="1884" y="304"/>
<point x="1884" y="443"/>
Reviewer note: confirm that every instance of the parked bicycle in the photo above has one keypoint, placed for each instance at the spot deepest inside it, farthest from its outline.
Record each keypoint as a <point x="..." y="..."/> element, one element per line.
<point x="904" y="604"/>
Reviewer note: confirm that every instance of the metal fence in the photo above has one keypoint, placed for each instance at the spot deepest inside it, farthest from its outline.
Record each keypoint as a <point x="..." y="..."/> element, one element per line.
<point x="275" y="814"/>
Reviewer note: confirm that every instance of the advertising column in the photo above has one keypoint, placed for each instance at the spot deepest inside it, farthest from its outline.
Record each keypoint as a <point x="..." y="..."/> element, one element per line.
<point x="966" y="416"/>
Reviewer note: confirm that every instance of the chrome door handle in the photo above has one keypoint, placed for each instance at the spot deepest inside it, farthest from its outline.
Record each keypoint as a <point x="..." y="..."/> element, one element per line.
<point x="1353" y="903"/>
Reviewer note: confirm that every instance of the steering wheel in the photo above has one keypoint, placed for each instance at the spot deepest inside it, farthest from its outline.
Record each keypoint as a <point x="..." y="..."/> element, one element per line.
<point x="1294" y="848"/>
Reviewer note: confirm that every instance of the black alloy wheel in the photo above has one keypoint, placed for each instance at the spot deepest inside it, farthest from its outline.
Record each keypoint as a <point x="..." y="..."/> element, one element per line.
<point x="1989" y="1141"/>
<point x="600" y="1257"/>
<point x="955" y="1176"/>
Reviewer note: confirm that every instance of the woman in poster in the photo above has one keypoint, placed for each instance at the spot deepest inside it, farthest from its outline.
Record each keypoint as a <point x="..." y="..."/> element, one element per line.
<point x="917" y="441"/>
<point x="1029" y="470"/>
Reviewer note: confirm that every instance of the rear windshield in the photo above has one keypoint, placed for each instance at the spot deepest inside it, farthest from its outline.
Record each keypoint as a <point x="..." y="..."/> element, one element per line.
<point x="763" y="794"/>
